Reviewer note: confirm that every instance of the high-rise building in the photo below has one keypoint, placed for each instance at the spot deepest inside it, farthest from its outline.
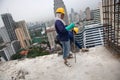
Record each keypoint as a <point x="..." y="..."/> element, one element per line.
<point x="4" y="57"/>
<point x="1" y="40"/>
<point x="70" y="17"/>
<point x="81" y="15"/>
<point x="74" y="16"/>
<point x="22" y="34"/>
<point x="77" y="17"/>
<point x="7" y="52"/>
<point x="4" y="34"/>
<point x="101" y="12"/>
<point x="88" y="13"/>
<point x="9" y="49"/>
<point x="60" y="3"/>
<point x="96" y="16"/>
<point x="10" y="26"/>
<point x="15" y="46"/>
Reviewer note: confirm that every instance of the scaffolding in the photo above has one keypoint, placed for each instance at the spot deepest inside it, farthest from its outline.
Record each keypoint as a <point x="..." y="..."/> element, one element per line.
<point x="111" y="22"/>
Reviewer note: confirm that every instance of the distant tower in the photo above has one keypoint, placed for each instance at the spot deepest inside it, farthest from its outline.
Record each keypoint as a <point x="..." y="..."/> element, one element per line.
<point x="4" y="34"/>
<point x="72" y="15"/>
<point x="23" y="34"/>
<point x="88" y="13"/>
<point x="101" y="12"/>
<point x="96" y="16"/>
<point x="10" y="26"/>
<point x="60" y="3"/>
<point x="81" y="15"/>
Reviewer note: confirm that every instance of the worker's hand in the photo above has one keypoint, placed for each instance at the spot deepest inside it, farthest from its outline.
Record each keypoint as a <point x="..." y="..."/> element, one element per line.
<point x="69" y="27"/>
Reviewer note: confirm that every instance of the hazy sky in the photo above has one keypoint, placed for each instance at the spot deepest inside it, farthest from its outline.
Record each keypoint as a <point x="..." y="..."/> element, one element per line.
<point x="40" y="10"/>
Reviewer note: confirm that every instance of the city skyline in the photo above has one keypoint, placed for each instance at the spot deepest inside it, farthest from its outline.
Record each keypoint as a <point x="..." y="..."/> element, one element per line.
<point x="34" y="11"/>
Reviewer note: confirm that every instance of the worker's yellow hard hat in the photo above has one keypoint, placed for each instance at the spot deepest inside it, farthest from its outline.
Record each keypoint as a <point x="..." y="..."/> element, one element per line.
<point x="60" y="10"/>
<point x="76" y="29"/>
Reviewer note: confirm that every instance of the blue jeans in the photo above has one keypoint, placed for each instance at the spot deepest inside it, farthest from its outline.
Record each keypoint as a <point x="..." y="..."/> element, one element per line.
<point x="76" y="43"/>
<point x="66" y="48"/>
<point x="71" y="35"/>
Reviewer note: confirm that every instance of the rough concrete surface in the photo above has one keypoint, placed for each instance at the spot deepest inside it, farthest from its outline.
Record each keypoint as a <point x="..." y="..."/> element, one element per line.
<point x="97" y="64"/>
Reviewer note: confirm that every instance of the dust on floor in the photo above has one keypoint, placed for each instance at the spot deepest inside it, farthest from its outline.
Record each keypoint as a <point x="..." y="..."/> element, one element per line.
<point x="97" y="64"/>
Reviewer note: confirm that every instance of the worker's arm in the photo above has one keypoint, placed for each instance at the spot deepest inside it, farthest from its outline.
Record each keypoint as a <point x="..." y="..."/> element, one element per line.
<point x="60" y="26"/>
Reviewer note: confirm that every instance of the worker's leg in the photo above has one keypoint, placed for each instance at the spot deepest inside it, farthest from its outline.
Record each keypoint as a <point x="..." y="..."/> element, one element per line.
<point x="66" y="49"/>
<point x="78" y="45"/>
<point x="72" y="41"/>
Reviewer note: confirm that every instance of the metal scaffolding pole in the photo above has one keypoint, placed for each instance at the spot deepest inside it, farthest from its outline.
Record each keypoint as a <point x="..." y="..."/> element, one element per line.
<point x="111" y="19"/>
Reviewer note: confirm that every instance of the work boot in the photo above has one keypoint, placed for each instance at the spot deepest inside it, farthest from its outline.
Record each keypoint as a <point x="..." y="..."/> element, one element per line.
<point x="70" y="55"/>
<point x="84" y="50"/>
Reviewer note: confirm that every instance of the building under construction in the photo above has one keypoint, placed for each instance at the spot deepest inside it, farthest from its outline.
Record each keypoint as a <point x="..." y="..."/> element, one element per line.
<point x="111" y="21"/>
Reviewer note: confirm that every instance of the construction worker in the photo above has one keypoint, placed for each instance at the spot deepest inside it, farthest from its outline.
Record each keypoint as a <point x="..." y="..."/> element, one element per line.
<point x="63" y="34"/>
<point x="71" y="35"/>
